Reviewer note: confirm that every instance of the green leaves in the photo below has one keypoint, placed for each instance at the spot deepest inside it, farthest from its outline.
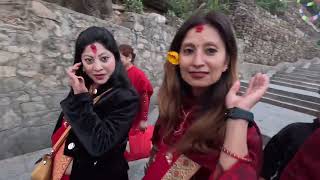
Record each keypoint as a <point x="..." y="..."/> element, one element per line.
<point x="185" y="8"/>
<point x="273" y="6"/>
<point x="134" y="5"/>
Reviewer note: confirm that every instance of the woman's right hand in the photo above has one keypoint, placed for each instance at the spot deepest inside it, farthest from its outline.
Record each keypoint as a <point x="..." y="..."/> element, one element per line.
<point x="76" y="82"/>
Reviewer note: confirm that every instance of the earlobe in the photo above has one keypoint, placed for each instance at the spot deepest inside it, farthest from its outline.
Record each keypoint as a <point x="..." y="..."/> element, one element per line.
<point x="225" y="67"/>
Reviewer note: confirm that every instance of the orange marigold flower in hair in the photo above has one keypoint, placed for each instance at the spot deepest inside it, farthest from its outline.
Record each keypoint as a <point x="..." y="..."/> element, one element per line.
<point x="173" y="57"/>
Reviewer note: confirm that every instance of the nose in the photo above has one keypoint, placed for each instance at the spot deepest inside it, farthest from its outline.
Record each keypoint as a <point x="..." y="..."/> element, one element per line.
<point x="198" y="60"/>
<point x="97" y="66"/>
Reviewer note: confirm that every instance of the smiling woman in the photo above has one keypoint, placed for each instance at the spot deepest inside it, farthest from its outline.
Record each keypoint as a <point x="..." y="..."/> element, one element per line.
<point x="205" y="130"/>
<point x="99" y="108"/>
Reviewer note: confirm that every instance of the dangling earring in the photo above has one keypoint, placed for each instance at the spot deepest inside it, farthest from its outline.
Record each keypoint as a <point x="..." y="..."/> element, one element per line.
<point x="83" y="70"/>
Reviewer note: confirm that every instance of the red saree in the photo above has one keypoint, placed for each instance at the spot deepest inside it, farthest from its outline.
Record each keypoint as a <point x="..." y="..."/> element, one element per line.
<point x="144" y="88"/>
<point x="208" y="162"/>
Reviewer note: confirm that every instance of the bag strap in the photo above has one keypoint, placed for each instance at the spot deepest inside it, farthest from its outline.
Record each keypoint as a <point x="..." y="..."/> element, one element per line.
<point x="66" y="132"/>
<point x="182" y="169"/>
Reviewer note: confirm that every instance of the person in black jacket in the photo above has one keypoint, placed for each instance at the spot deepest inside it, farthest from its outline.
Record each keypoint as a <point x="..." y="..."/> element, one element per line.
<point x="99" y="131"/>
<point x="283" y="146"/>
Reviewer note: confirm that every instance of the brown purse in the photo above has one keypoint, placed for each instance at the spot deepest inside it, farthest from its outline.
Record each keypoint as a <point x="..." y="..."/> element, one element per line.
<point x="43" y="168"/>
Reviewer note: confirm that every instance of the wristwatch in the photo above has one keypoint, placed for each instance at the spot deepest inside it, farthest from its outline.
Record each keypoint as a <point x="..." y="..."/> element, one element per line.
<point x="238" y="113"/>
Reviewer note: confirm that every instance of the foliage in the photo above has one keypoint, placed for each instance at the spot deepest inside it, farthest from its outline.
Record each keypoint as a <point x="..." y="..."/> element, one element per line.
<point x="275" y="7"/>
<point x="134" y="5"/>
<point x="185" y="8"/>
<point x="218" y="5"/>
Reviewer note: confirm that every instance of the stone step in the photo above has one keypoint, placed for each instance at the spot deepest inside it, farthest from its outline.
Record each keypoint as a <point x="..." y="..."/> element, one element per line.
<point x="310" y="71"/>
<point x="291" y="92"/>
<point x="300" y="74"/>
<point x="312" y="89"/>
<point x="291" y="106"/>
<point x="270" y="118"/>
<point x="295" y="101"/>
<point x="290" y="103"/>
<point x="297" y="82"/>
<point x="288" y="99"/>
<point x="299" y="78"/>
<point x="315" y="65"/>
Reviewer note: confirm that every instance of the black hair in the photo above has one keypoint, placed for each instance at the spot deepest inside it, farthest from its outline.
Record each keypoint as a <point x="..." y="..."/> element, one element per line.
<point x="103" y="36"/>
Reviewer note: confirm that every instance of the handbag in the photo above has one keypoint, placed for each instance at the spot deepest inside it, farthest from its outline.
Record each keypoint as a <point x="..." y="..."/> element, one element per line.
<point x="43" y="168"/>
<point x="139" y="145"/>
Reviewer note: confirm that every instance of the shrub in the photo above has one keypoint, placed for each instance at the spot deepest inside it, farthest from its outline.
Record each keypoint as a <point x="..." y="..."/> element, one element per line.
<point x="275" y="7"/>
<point x="134" y="5"/>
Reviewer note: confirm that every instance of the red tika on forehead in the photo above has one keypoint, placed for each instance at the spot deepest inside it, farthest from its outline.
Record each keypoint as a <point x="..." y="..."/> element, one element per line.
<point x="93" y="48"/>
<point x="199" y="28"/>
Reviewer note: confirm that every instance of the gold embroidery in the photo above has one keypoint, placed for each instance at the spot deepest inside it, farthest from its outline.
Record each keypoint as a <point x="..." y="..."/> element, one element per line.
<point x="183" y="169"/>
<point x="60" y="163"/>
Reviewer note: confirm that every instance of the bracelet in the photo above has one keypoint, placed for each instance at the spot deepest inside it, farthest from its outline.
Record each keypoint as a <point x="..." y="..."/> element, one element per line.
<point x="226" y="151"/>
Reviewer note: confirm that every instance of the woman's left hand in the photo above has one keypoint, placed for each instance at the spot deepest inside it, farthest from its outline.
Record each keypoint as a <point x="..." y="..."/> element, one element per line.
<point x="258" y="85"/>
<point x="76" y="82"/>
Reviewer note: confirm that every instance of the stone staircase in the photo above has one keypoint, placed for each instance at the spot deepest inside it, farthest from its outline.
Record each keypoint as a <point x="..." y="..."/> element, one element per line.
<point x="295" y="88"/>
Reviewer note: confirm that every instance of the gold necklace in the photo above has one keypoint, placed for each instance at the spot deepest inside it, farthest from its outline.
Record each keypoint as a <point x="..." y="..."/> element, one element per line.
<point x="180" y="129"/>
<point x="169" y="154"/>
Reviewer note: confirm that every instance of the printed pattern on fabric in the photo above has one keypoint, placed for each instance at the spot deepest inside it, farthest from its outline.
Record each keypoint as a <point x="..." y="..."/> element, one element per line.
<point x="183" y="169"/>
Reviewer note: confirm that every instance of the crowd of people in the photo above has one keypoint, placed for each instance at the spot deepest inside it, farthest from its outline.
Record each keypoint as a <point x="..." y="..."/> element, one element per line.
<point x="205" y="129"/>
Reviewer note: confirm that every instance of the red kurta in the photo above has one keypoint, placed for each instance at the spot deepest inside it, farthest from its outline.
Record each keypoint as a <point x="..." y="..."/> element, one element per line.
<point x="208" y="162"/>
<point x="305" y="164"/>
<point x="144" y="88"/>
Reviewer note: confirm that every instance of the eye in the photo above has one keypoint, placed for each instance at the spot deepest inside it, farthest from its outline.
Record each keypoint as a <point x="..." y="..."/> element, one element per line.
<point x="89" y="60"/>
<point x="104" y="58"/>
<point x="187" y="51"/>
<point x="210" y="51"/>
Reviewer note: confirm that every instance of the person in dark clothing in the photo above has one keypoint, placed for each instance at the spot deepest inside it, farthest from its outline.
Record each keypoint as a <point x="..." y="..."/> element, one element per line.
<point x="283" y="146"/>
<point x="99" y="129"/>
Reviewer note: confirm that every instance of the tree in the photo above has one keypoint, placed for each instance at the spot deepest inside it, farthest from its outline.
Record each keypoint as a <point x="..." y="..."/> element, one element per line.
<point x="98" y="8"/>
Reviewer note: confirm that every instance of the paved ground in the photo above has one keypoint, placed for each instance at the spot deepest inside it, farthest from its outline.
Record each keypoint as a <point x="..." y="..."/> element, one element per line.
<point x="269" y="118"/>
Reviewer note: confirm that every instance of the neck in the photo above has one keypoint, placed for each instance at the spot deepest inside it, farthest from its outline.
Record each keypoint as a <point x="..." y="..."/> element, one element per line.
<point x="95" y="86"/>
<point x="198" y="91"/>
<point x="129" y="66"/>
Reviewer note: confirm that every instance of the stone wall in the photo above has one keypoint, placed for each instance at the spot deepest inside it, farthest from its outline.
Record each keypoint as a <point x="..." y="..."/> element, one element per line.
<point x="266" y="41"/>
<point x="36" y="45"/>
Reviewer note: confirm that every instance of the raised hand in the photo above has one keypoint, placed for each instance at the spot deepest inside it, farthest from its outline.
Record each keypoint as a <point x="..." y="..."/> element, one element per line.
<point x="76" y="82"/>
<point x="258" y="85"/>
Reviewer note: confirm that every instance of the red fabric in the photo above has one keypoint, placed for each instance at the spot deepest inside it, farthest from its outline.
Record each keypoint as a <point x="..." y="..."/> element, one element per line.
<point x="239" y="171"/>
<point x="140" y="144"/>
<point x="55" y="137"/>
<point x="305" y="164"/>
<point x="144" y="88"/>
<point x="65" y="177"/>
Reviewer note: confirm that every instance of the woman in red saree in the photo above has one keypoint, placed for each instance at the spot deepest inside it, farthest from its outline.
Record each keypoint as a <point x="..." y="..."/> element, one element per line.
<point x="140" y="82"/>
<point x="205" y="129"/>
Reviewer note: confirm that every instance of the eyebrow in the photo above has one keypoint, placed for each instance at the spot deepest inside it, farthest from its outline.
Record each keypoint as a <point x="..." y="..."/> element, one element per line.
<point x="206" y="44"/>
<point x="88" y="55"/>
<point x="104" y="53"/>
